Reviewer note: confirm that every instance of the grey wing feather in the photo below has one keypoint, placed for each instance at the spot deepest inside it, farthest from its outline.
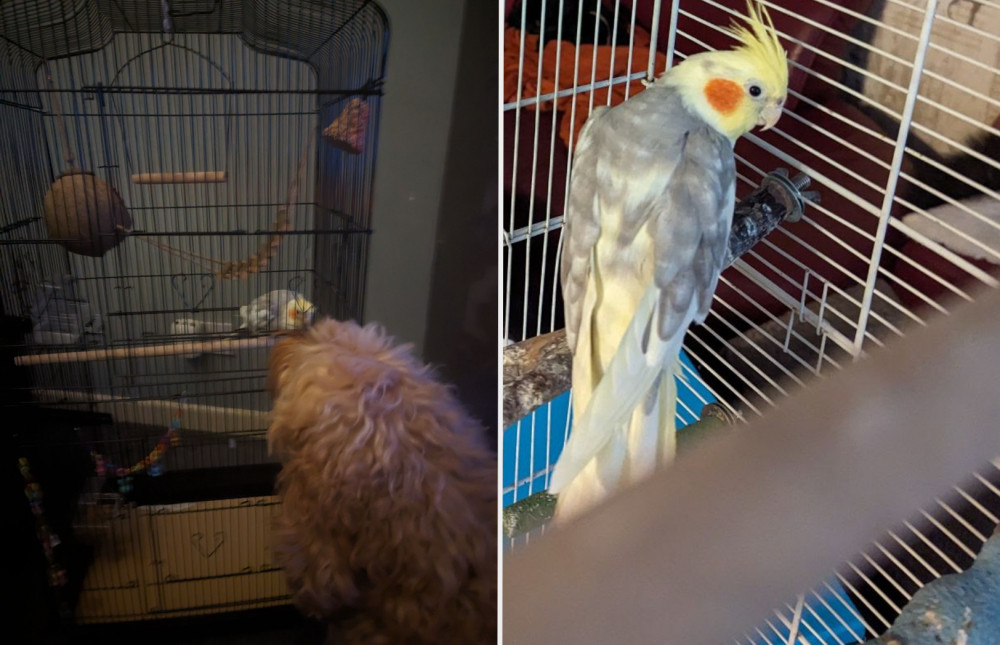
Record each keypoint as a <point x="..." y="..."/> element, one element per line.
<point x="691" y="217"/>
<point x="692" y="222"/>
<point x="581" y="228"/>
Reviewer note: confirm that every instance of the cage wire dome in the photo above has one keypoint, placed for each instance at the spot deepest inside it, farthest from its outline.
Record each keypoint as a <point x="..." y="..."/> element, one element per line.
<point x="894" y="112"/>
<point x="184" y="180"/>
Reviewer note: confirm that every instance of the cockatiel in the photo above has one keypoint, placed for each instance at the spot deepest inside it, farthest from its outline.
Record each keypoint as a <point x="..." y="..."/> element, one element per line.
<point x="280" y="309"/>
<point x="647" y="223"/>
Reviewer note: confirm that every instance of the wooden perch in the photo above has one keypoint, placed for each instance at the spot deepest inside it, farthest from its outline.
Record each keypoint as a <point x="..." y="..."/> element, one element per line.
<point x="158" y="412"/>
<point x="198" y="177"/>
<point x="535" y="371"/>
<point x="140" y="351"/>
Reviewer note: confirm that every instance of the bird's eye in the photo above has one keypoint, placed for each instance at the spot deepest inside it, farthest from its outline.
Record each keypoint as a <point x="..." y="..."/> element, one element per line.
<point x="755" y="90"/>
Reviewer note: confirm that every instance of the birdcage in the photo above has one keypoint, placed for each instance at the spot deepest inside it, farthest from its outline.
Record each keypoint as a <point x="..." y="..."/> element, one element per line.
<point x="893" y="111"/>
<point x="184" y="180"/>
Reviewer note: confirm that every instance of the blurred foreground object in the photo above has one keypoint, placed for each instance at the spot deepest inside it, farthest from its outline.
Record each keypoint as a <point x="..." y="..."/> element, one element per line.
<point x="746" y="522"/>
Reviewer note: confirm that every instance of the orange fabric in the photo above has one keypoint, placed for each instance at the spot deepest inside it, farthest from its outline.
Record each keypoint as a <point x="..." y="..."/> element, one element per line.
<point x="511" y="66"/>
<point x="588" y="70"/>
<point x="723" y="95"/>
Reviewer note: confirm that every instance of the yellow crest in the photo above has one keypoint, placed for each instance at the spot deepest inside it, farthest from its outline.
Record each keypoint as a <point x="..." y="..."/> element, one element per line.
<point x="759" y="41"/>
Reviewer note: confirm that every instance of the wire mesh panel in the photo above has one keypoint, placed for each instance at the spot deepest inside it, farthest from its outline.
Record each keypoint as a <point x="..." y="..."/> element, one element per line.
<point x="184" y="180"/>
<point x="893" y="110"/>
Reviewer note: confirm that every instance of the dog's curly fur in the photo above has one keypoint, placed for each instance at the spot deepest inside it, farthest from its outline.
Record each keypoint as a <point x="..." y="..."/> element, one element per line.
<point x="388" y="524"/>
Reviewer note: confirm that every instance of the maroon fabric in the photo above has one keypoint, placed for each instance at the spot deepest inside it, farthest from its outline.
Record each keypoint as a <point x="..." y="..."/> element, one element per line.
<point x="834" y="46"/>
<point x="528" y="168"/>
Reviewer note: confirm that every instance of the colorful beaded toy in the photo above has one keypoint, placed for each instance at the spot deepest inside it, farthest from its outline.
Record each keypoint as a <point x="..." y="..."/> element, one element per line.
<point x="48" y="538"/>
<point x="152" y="461"/>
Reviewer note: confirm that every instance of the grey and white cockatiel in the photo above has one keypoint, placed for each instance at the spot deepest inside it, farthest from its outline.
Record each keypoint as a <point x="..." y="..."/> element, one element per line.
<point x="276" y="310"/>
<point x="647" y="225"/>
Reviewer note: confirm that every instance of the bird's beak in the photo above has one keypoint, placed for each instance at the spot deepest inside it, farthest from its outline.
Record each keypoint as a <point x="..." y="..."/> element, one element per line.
<point x="770" y="115"/>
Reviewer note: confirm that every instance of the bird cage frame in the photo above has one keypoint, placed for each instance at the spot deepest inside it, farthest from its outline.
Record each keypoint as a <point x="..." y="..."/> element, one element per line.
<point x="891" y="114"/>
<point x="221" y="157"/>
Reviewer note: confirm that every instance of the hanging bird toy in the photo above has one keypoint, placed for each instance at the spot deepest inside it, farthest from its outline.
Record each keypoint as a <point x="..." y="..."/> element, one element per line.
<point x="151" y="462"/>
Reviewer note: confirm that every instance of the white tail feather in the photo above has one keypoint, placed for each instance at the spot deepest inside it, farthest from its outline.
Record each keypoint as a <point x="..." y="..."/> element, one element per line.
<point x="650" y="442"/>
<point x="628" y="378"/>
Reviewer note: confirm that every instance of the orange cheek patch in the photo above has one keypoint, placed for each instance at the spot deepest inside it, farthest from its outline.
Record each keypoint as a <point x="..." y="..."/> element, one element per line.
<point x="723" y="95"/>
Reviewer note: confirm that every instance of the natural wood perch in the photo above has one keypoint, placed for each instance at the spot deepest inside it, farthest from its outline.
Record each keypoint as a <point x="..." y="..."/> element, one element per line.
<point x="140" y="351"/>
<point x="535" y="371"/>
<point x="198" y="177"/>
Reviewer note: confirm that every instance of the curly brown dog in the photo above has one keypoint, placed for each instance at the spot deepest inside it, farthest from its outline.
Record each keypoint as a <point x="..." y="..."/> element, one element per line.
<point x="388" y="527"/>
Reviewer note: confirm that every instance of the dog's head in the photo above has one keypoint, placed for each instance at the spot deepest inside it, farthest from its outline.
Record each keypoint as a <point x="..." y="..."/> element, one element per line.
<point x="281" y="358"/>
<point x="333" y="374"/>
<point x="336" y="350"/>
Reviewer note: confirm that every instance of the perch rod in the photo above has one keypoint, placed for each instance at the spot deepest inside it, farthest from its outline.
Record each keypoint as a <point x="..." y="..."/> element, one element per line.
<point x="170" y="349"/>
<point x="197" y="177"/>
<point x="197" y="416"/>
<point x="705" y="549"/>
<point x="242" y="269"/>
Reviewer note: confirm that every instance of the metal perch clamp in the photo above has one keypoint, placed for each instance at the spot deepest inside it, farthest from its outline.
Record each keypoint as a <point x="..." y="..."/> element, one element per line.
<point x="778" y="198"/>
